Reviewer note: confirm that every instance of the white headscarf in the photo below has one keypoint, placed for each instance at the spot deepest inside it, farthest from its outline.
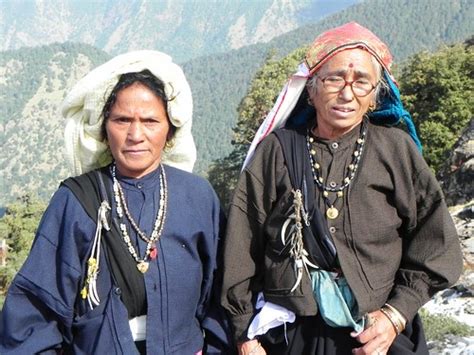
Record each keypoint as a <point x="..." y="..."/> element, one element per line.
<point x="82" y="108"/>
<point x="282" y="108"/>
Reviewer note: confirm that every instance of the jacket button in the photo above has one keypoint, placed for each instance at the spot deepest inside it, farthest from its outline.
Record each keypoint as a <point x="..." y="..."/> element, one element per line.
<point x="332" y="230"/>
<point x="118" y="291"/>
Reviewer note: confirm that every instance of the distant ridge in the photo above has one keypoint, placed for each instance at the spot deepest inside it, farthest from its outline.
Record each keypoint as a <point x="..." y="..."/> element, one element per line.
<point x="182" y="28"/>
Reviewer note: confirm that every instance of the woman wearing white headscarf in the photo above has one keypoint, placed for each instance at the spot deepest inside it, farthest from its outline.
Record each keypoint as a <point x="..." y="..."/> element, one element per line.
<point x="125" y="255"/>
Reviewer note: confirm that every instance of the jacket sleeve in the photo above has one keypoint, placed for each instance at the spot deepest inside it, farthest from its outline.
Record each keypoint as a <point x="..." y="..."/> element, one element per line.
<point x="244" y="246"/>
<point x="39" y="307"/>
<point x="432" y="258"/>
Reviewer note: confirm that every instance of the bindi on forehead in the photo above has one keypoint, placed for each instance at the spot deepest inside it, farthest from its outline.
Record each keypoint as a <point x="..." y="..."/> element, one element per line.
<point x="351" y="65"/>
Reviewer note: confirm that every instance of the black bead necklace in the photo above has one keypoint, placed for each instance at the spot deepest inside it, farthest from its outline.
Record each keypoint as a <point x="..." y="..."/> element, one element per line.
<point x="332" y="212"/>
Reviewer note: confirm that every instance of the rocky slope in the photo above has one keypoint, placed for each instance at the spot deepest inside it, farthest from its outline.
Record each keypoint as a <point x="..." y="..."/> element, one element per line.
<point x="457" y="181"/>
<point x="458" y="185"/>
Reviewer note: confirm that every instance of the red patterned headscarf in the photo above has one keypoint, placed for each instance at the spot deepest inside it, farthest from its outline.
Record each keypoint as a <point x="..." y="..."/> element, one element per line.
<point x="348" y="36"/>
<point x="390" y="109"/>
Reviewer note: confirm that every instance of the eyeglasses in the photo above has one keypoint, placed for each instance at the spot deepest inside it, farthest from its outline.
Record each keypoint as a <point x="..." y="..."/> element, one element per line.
<point x="360" y="87"/>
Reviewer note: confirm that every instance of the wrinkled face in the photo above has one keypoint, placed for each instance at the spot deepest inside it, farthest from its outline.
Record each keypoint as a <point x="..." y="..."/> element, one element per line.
<point x="137" y="130"/>
<point x="339" y="112"/>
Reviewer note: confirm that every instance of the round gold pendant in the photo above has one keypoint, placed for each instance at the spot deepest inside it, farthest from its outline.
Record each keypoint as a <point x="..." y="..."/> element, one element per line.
<point x="332" y="212"/>
<point x="142" y="266"/>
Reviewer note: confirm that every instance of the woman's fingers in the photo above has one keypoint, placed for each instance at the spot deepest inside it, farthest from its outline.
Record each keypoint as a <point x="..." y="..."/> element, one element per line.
<point x="378" y="337"/>
<point x="251" y="347"/>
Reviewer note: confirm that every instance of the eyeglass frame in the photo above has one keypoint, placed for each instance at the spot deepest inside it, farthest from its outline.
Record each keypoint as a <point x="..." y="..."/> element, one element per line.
<point x="346" y="82"/>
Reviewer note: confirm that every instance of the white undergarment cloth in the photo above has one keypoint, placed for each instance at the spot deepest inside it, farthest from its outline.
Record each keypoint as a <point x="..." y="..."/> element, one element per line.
<point x="138" y="328"/>
<point x="270" y="316"/>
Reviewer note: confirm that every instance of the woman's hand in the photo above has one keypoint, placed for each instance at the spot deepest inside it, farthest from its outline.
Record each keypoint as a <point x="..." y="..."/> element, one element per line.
<point x="377" y="338"/>
<point x="251" y="347"/>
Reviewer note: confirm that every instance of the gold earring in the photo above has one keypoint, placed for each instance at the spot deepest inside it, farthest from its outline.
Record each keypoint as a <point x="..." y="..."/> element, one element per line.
<point x="169" y="144"/>
<point x="372" y="106"/>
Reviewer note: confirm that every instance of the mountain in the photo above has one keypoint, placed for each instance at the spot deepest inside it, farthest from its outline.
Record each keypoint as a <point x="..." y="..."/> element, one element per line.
<point x="184" y="29"/>
<point x="33" y="81"/>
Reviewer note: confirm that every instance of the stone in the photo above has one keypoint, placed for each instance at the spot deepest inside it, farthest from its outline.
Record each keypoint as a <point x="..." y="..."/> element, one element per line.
<point x="457" y="175"/>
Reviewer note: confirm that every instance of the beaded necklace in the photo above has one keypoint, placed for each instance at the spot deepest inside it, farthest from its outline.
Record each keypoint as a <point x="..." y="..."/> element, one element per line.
<point x="150" y="251"/>
<point x="332" y="212"/>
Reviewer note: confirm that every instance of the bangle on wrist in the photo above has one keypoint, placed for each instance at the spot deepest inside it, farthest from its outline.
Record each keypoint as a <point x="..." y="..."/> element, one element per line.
<point x="394" y="316"/>
<point x="398" y="314"/>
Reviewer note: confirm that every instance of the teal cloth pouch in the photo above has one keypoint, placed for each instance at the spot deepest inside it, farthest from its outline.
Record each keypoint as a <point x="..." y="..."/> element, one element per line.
<point x="335" y="300"/>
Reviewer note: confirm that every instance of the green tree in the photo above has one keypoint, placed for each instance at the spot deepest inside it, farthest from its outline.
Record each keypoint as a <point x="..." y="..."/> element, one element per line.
<point x="437" y="89"/>
<point x="252" y="110"/>
<point x="18" y="227"/>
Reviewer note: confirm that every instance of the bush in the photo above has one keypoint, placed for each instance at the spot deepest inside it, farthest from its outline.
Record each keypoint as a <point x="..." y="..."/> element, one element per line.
<point x="438" y="327"/>
<point x="437" y="90"/>
<point x="18" y="227"/>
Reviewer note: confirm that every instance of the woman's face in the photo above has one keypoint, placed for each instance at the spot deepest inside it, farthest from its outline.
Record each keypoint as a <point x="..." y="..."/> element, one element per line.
<point x="339" y="112"/>
<point x="137" y="130"/>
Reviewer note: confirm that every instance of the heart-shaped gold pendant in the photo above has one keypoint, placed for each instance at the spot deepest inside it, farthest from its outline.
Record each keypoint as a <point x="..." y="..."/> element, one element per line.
<point x="142" y="266"/>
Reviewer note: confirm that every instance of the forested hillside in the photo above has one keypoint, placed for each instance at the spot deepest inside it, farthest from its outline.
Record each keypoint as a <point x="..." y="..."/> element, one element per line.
<point x="33" y="83"/>
<point x="408" y="26"/>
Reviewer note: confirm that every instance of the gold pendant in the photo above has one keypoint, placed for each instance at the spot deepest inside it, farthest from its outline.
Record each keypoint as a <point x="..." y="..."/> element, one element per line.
<point x="142" y="266"/>
<point x="332" y="212"/>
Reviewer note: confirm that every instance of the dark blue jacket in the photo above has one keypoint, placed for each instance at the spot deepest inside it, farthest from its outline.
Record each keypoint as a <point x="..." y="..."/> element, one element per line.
<point x="43" y="310"/>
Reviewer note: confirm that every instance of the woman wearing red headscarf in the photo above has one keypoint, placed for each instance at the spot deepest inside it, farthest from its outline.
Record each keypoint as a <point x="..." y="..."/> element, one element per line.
<point x="338" y="231"/>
